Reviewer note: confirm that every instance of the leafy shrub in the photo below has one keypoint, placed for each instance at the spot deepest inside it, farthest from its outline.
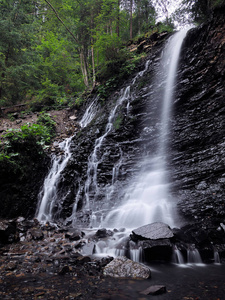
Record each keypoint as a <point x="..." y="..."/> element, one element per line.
<point x="46" y="120"/>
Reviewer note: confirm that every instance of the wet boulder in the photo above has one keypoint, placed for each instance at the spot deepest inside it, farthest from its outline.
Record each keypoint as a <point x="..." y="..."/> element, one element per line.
<point x="155" y="290"/>
<point x="155" y="241"/>
<point x="88" y="248"/>
<point x="154" y="231"/>
<point x="125" y="268"/>
<point x="103" y="233"/>
<point x="35" y="234"/>
<point x="74" y="235"/>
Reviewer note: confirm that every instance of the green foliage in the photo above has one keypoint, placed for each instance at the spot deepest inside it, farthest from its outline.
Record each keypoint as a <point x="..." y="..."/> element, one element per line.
<point x="144" y="17"/>
<point x="27" y="134"/>
<point x="22" y="147"/>
<point x="165" y="26"/>
<point x="45" y="120"/>
<point x="124" y="70"/>
<point x="104" y="89"/>
<point x="17" y="26"/>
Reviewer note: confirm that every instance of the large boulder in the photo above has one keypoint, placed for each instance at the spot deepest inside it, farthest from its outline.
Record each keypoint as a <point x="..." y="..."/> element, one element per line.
<point x="124" y="268"/>
<point x="154" y="231"/>
<point x="155" y="241"/>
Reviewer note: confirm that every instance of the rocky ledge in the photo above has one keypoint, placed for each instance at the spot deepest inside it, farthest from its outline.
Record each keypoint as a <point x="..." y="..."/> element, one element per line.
<point x="51" y="262"/>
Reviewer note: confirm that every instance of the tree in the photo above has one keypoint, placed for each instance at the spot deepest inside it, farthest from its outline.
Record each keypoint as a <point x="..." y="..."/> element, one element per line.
<point x="17" y="26"/>
<point x="144" y="17"/>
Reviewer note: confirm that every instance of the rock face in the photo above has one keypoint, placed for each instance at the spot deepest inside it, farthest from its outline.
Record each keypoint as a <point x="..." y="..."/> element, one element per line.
<point x="124" y="268"/>
<point x="198" y="139"/>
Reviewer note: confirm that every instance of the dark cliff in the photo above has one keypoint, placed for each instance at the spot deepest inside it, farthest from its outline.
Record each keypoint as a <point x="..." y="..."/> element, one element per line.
<point x="198" y="144"/>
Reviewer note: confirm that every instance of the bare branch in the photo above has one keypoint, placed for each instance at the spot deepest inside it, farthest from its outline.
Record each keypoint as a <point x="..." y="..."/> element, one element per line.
<point x="56" y="14"/>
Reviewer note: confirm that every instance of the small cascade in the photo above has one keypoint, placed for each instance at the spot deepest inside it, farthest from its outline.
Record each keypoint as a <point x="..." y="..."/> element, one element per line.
<point x="90" y="113"/>
<point x="193" y="255"/>
<point x="141" y="73"/>
<point x="91" y="184"/>
<point x="216" y="256"/>
<point x="178" y="256"/>
<point x="49" y="195"/>
<point x="135" y="252"/>
<point x="116" y="168"/>
<point x="113" y="246"/>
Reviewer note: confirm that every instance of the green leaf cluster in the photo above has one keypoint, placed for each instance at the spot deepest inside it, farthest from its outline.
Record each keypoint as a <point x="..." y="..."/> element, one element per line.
<point x="20" y="145"/>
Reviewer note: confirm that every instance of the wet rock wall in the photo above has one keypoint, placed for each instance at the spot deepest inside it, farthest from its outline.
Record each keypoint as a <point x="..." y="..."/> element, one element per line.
<point x="198" y="139"/>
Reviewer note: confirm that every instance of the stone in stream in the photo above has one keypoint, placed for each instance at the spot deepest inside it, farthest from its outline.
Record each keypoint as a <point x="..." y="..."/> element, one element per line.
<point x="75" y="235"/>
<point x="36" y="233"/>
<point x="154" y="231"/>
<point x="154" y="290"/>
<point x="125" y="268"/>
<point x="154" y="240"/>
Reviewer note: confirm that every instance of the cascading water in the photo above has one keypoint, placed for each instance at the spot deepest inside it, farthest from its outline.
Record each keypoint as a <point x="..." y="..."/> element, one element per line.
<point x="49" y="194"/>
<point x="91" y="184"/>
<point x="148" y="200"/>
<point x="48" y="197"/>
<point x="193" y="255"/>
<point x="90" y="113"/>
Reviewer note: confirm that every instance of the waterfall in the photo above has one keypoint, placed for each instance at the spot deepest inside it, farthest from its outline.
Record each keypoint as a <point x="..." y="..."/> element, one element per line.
<point x="193" y="255"/>
<point x="90" y="113"/>
<point x="49" y="194"/>
<point x="96" y="157"/>
<point x="216" y="256"/>
<point x="148" y="200"/>
<point x="177" y="256"/>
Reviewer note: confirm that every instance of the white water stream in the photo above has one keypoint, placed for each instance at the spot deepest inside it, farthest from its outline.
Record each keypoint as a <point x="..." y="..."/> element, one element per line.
<point x="96" y="157"/>
<point x="48" y="197"/>
<point x="149" y="200"/>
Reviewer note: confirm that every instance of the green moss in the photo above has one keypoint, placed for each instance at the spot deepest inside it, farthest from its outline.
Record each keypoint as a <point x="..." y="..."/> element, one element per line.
<point x="118" y="122"/>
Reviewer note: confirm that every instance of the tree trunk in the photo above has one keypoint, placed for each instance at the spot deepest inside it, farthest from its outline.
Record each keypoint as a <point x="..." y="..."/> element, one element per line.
<point x="83" y="64"/>
<point x="93" y="66"/>
<point x="131" y="19"/>
<point x="118" y="20"/>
